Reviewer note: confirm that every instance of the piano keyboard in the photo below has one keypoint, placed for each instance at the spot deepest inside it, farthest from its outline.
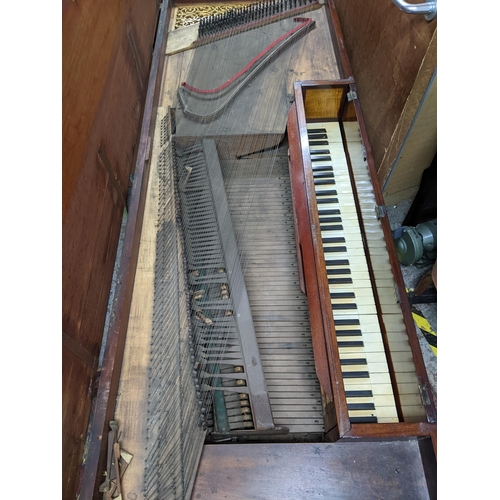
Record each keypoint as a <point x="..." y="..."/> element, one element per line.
<point x="407" y="381"/>
<point x="362" y="356"/>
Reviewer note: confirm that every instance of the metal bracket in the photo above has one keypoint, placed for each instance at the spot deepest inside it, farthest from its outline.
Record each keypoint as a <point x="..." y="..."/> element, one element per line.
<point x="351" y="95"/>
<point x="424" y="394"/>
<point x="148" y="148"/>
<point x="381" y="211"/>
<point x="396" y="292"/>
<point x="428" y="9"/>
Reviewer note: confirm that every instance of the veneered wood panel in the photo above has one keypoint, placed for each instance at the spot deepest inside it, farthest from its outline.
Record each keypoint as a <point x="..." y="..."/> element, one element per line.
<point x="77" y="380"/>
<point x="107" y="50"/>
<point x="418" y="132"/>
<point x="93" y="211"/>
<point x="95" y="462"/>
<point x="91" y="34"/>
<point x="322" y="103"/>
<point x="417" y="152"/>
<point x="385" y="47"/>
<point x="352" y="470"/>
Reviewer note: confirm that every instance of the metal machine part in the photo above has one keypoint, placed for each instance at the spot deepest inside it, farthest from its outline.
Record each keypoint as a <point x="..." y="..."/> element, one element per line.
<point x="428" y="9"/>
<point x="416" y="245"/>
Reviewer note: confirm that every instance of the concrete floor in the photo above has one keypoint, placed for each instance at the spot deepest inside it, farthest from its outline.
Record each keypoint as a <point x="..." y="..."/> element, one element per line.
<point x="412" y="275"/>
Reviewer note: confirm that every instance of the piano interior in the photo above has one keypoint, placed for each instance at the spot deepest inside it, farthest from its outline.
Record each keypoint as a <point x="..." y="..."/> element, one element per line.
<point x="269" y="320"/>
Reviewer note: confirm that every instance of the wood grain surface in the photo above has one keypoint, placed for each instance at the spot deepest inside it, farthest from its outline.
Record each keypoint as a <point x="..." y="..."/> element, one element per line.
<point x="106" y="56"/>
<point x="273" y="85"/>
<point x="354" y="470"/>
<point x="385" y="47"/>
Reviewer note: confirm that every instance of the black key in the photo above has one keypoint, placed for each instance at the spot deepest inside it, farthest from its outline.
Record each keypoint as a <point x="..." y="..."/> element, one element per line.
<point x="322" y="175"/>
<point x="323" y="182"/>
<point x="347" y="322"/>
<point x="334" y="249"/>
<point x="318" y="143"/>
<point x="332" y="239"/>
<point x="326" y="192"/>
<point x="360" y="406"/>
<point x="339" y="262"/>
<point x="350" y="343"/>
<point x="363" y="420"/>
<point x="322" y="168"/>
<point x="355" y="375"/>
<point x="339" y="281"/>
<point x="355" y="361"/>
<point x="327" y="200"/>
<point x="314" y="136"/>
<point x="328" y="211"/>
<point x="347" y="333"/>
<point x="316" y="130"/>
<point x="342" y="295"/>
<point x="331" y="272"/>
<point x="320" y="152"/>
<point x="321" y="158"/>
<point x="332" y="227"/>
<point x="358" y="394"/>
<point x="341" y="307"/>
<point x="322" y="220"/>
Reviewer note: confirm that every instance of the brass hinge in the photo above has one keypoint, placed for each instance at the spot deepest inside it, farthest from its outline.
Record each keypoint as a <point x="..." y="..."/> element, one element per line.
<point x="351" y="95"/>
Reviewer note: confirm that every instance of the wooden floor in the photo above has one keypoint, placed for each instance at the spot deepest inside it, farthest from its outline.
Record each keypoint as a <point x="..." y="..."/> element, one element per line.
<point x="353" y="470"/>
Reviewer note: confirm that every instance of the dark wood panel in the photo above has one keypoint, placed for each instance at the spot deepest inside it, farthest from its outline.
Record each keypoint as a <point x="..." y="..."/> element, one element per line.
<point x="77" y="384"/>
<point x="89" y="240"/>
<point x="96" y="81"/>
<point x="422" y="138"/>
<point x="367" y="469"/>
<point x="107" y="50"/>
<point x="94" y="207"/>
<point x="113" y="355"/>
<point x="385" y="47"/>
